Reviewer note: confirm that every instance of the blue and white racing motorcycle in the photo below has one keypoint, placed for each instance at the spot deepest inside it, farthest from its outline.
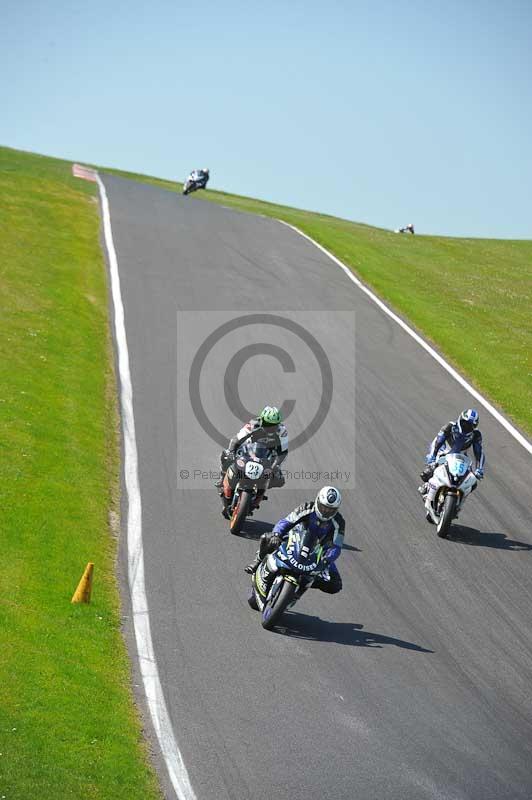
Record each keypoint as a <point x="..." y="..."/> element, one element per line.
<point x="453" y="480"/>
<point x="295" y="564"/>
<point x="196" y="180"/>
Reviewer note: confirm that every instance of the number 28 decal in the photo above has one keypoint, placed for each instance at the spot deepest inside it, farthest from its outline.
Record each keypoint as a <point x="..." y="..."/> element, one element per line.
<point x="254" y="470"/>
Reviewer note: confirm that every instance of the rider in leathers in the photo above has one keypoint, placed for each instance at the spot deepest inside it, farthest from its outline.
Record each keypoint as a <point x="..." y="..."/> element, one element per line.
<point x="199" y="176"/>
<point x="458" y="437"/>
<point x="323" y="518"/>
<point x="269" y="430"/>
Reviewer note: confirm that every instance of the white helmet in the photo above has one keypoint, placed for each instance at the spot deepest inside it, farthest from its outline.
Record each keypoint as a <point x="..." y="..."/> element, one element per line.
<point x="327" y="502"/>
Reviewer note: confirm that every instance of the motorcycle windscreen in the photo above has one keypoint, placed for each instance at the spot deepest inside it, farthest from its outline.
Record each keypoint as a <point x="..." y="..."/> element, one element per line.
<point x="259" y="451"/>
<point x="457" y="464"/>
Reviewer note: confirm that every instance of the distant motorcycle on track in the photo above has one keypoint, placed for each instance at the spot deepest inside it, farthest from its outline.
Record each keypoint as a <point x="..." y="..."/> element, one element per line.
<point x="452" y="482"/>
<point x="197" y="179"/>
<point x="295" y="564"/>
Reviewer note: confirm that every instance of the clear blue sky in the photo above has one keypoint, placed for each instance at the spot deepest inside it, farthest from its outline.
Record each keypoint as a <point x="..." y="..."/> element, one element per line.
<point x="378" y="111"/>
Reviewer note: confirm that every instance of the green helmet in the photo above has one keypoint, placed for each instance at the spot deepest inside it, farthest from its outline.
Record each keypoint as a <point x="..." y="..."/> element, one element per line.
<point x="270" y="416"/>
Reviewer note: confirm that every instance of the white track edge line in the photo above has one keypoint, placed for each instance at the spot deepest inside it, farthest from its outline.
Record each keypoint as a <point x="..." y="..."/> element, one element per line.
<point x="141" y="620"/>
<point x="430" y="350"/>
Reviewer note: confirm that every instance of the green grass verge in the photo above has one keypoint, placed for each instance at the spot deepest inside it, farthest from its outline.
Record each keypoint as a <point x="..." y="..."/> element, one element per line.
<point x="68" y="726"/>
<point x="472" y="298"/>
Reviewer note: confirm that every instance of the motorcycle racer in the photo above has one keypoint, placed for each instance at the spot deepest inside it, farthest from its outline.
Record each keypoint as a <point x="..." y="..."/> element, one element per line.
<point x="203" y="175"/>
<point x="320" y="517"/>
<point x="457" y="437"/>
<point x="269" y="430"/>
<point x="200" y="177"/>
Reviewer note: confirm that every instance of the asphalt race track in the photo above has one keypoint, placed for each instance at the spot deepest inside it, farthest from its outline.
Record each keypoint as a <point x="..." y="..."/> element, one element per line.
<point x="413" y="682"/>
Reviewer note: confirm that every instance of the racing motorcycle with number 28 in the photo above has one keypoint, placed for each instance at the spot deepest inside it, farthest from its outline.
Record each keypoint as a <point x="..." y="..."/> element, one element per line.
<point x="252" y="470"/>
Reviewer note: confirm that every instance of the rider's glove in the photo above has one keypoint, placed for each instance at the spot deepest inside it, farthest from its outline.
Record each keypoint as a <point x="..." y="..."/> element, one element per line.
<point x="479" y="474"/>
<point x="430" y="459"/>
<point x="274" y="541"/>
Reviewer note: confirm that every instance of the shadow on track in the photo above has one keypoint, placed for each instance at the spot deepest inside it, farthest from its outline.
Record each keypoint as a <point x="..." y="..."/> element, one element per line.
<point x="254" y="528"/>
<point x="350" y="547"/>
<point x="472" y="536"/>
<point x="301" y="626"/>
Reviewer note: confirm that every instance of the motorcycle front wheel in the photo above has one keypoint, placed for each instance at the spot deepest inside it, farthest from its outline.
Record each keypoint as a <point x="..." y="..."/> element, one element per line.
<point x="240" y="512"/>
<point x="276" y="605"/>
<point x="447" y="515"/>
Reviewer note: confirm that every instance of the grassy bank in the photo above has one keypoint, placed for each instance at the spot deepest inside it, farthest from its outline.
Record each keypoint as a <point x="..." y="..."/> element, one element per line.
<point x="68" y="727"/>
<point x="471" y="298"/>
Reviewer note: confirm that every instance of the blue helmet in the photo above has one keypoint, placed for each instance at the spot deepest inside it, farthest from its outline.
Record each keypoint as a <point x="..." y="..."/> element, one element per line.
<point x="468" y="420"/>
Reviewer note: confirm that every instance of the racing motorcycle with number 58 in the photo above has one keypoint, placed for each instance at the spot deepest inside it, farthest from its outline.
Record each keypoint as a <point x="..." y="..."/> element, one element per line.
<point x="452" y="482"/>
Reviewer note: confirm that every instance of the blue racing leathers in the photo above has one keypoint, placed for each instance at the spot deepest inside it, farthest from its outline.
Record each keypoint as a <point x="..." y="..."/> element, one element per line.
<point x="329" y="532"/>
<point x="452" y="439"/>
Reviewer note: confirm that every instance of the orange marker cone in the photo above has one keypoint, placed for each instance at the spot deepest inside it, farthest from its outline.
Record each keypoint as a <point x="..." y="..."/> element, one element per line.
<point x="83" y="592"/>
